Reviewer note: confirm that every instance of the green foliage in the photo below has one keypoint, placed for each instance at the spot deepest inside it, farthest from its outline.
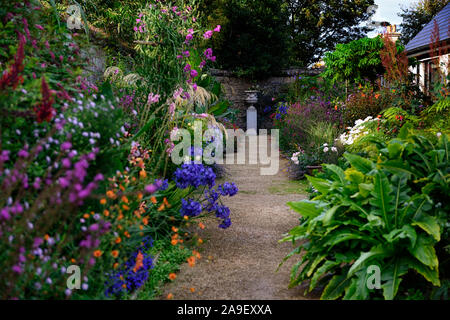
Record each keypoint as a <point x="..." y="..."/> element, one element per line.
<point x="355" y="61"/>
<point x="390" y="211"/>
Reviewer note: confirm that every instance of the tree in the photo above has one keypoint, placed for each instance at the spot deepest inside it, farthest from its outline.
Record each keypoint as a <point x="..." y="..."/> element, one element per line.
<point x="417" y="16"/>
<point x="254" y="39"/>
<point x="355" y="61"/>
<point x="318" y="25"/>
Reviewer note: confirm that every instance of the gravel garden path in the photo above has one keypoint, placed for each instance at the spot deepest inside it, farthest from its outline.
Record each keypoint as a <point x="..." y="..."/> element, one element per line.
<point x="240" y="263"/>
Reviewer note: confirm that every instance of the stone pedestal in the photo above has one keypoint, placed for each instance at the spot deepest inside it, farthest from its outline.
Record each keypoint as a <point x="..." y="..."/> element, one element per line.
<point x="252" y="113"/>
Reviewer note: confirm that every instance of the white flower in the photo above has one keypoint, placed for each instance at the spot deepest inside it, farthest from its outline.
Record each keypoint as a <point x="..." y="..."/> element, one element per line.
<point x="334" y="149"/>
<point x="325" y="149"/>
<point x="325" y="144"/>
<point x="438" y="134"/>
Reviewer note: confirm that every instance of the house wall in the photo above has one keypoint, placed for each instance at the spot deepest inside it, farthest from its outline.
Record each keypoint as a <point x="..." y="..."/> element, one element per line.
<point x="421" y="71"/>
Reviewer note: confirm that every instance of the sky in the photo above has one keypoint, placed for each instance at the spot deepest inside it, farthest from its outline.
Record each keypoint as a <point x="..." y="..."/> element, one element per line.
<point x="388" y="10"/>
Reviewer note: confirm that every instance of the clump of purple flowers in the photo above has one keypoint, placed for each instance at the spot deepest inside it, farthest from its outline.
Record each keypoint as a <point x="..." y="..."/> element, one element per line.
<point x="196" y="175"/>
<point x="128" y="278"/>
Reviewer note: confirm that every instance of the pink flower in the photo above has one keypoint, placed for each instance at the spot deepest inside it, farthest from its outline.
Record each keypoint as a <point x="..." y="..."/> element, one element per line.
<point x="194" y="73"/>
<point x="208" y="34"/>
<point x="153" y="98"/>
<point x="151" y="188"/>
<point x="217" y="29"/>
<point x="39" y="26"/>
<point x="194" y="86"/>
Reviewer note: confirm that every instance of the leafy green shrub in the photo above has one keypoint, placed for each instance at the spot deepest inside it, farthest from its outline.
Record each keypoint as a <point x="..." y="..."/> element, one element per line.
<point x="389" y="211"/>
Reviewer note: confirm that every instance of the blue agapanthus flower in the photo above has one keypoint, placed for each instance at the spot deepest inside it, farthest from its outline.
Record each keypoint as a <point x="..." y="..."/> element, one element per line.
<point x="223" y="212"/>
<point x="190" y="208"/>
<point x="162" y="184"/>
<point x="228" y="189"/>
<point x="194" y="175"/>
<point x="130" y="275"/>
<point x="225" y="224"/>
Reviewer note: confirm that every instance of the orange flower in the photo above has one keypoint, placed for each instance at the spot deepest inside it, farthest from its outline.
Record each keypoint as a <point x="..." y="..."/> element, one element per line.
<point x="166" y="202"/>
<point x="141" y="227"/>
<point x="115" y="265"/>
<point x="73" y="260"/>
<point x="125" y="207"/>
<point x="115" y="253"/>
<point x="172" y="276"/>
<point x="335" y="107"/>
<point x="191" y="261"/>
<point x="139" y="262"/>
<point x="121" y="187"/>
<point x="170" y="296"/>
<point x="197" y="254"/>
<point x="110" y="194"/>
<point x="106" y="213"/>
<point x="377" y="96"/>
<point x="124" y="199"/>
<point x="103" y="201"/>
<point x="201" y="225"/>
<point x="174" y="229"/>
<point x="143" y="174"/>
<point x="140" y="196"/>
<point x="120" y="216"/>
<point x="200" y="241"/>
<point x="174" y="242"/>
<point x="161" y="207"/>
<point x="186" y="218"/>
<point x="145" y="221"/>
<point x="127" y="234"/>
<point x="97" y="253"/>
<point x="192" y="290"/>
<point x="118" y="240"/>
<point x="46" y="237"/>
<point x="86" y="216"/>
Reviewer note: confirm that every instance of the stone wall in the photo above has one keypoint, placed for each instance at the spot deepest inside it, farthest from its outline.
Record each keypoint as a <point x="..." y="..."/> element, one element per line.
<point x="235" y="88"/>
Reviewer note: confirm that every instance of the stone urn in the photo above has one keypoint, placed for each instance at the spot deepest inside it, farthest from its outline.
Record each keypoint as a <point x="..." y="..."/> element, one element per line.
<point x="310" y="169"/>
<point x="252" y="97"/>
<point x="252" y="114"/>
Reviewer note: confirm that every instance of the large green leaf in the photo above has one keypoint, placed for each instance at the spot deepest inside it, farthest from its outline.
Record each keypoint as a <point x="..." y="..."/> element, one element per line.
<point x="337" y="171"/>
<point x="382" y="197"/>
<point x="391" y="277"/>
<point x="359" y="163"/>
<point x="321" y="271"/>
<point x="329" y="214"/>
<point x="321" y="185"/>
<point x="375" y="252"/>
<point x="405" y="232"/>
<point x="358" y="289"/>
<point x="430" y="274"/>
<point x="336" y="287"/>
<point x="429" y="224"/>
<point x="424" y="252"/>
<point x="306" y="208"/>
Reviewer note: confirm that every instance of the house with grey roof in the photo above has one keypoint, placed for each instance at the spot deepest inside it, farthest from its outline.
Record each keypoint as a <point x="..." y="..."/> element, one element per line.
<point x="431" y="48"/>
